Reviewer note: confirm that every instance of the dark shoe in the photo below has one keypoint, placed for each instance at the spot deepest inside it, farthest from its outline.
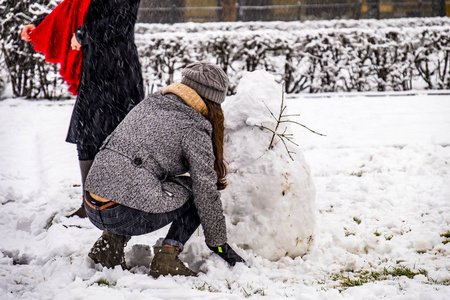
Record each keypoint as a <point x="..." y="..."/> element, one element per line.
<point x="108" y="250"/>
<point x="166" y="262"/>
<point x="81" y="213"/>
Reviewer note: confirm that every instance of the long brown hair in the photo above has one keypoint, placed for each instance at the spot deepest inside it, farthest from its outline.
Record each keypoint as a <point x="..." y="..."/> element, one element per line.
<point x="216" y="118"/>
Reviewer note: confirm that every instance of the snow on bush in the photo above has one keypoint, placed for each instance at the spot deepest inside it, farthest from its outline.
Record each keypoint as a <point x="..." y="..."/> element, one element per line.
<point x="270" y="201"/>
<point x="293" y="26"/>
<point x="313" y="56"/>
<point x="28" y="73"/>
<point x="310" y="60"/>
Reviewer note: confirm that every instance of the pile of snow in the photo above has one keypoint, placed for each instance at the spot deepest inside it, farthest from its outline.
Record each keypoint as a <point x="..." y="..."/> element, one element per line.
<point x="270" y="200"/>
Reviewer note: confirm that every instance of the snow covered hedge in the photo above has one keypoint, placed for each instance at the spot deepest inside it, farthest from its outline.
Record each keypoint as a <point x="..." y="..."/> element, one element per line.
<point x="373" y="57"/>
<point x="142" y="28"/>
<point x="312" y="57"/>
<point x="27" y="72"/>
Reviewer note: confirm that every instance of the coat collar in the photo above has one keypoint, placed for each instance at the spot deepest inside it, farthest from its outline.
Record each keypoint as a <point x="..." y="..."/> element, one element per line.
<point x="189" y="96"/>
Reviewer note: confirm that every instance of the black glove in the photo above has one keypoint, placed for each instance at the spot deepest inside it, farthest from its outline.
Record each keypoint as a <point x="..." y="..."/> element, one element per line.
<point x="227" y="254"/>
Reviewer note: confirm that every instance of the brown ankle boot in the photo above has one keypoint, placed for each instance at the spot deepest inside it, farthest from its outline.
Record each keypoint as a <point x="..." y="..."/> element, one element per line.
<point x="166" y="262"/>
<point x="108" y="250"/>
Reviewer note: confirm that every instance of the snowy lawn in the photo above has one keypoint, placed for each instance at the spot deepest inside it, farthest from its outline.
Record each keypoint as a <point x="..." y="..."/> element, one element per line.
<point x="382" y="177"/>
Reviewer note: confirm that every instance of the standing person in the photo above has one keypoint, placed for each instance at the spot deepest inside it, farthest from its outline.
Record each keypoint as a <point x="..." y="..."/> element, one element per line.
<point x="138" y="181"/>
<point x="111" y="78"/>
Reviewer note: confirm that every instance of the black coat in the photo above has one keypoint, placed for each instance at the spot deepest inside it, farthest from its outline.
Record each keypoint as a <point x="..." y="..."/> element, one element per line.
<point x="111" y="82"/>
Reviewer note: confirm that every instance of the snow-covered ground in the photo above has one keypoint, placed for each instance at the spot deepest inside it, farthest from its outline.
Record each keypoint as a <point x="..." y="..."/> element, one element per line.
<point x="382" y="178"/>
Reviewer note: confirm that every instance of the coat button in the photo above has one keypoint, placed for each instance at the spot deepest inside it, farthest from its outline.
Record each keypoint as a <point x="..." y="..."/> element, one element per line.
<point x="137" y="161"/>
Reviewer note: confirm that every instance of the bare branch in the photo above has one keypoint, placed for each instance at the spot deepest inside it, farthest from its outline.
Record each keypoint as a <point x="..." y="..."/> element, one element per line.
<point x="290" y="121"/>
<point x="283" y="136"/>
<point x="295" y="115"/>
<point x="287" y="149"/>
<point x="275" y="118"/>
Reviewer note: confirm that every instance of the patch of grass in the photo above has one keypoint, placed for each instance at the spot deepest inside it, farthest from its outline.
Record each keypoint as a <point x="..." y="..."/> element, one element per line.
<point x="206" y="287"/>
<point x="354" y="279"/>
<point x="401" y="271"/>
<point x="49" y="222"/>
<point x="247" y="291"/>
<point x="260" y="292"/>
<point x="103" y="282"/>
<point x="335" y="277"/>
<point x="376" y="233"/>
<point x="423" y="272"/>
<point x="357" y="174"/>
<point x="357" y="220"/>
<point x="346" y="280"/>
<point x="348" y="233"/>
<point x="388" y="237"/>
<point x="446" y="234"/>
<point x="246" y="294"/>
<point x="228" y="284"/>
<point x="373" y="276"/>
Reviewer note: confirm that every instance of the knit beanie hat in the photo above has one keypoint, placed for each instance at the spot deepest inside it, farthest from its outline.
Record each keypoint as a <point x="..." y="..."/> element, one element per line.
<point x="208" y="80"/>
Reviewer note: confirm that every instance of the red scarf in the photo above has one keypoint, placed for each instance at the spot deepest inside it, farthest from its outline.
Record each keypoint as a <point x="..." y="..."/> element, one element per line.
<point x="52" y="38"/>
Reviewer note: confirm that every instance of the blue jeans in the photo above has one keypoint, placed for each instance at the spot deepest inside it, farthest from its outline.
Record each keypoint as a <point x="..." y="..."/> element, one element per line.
<point x="127" y="221"/>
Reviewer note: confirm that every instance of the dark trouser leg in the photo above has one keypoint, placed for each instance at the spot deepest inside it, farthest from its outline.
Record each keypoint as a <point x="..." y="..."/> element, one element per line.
<point x="86" y="156"/>
<point x="127" y="221"/>
<point x="122" y="221"/>
<point x="85" y="166"/>
<point x="182" y="228"/>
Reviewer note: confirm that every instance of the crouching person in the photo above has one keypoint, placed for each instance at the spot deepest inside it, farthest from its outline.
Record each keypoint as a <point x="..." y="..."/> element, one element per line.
<point x="164" y="164"/>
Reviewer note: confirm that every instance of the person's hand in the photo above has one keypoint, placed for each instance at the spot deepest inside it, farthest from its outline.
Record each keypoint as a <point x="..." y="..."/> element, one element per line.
<point x="74" y="43"/>
<point x="227" y="254"/>
<point x="25" y="35"/>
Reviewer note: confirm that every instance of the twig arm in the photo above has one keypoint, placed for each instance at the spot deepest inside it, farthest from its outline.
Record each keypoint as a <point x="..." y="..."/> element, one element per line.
<point x="290" y="121"/>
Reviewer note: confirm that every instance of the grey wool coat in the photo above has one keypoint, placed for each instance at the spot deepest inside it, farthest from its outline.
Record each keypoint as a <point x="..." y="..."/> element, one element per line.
<point x="139" y="163"/>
